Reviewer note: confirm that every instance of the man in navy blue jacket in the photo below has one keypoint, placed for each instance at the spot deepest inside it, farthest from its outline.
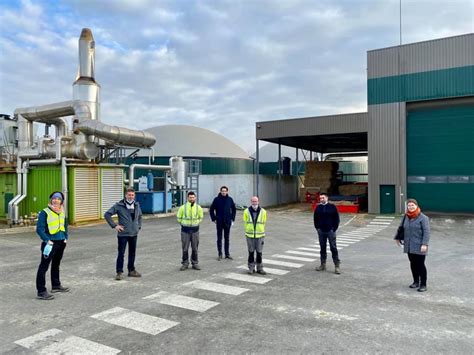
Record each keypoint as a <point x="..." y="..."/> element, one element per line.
<point x="326" y="222"/>
<point x="222" y="212"/>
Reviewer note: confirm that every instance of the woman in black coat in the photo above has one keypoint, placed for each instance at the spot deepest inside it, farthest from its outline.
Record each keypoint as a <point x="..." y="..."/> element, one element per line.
<point x="416" y="227"/>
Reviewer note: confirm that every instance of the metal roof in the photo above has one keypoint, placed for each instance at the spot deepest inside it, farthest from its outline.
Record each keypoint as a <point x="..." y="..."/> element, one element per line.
<point x="325" y="134"/>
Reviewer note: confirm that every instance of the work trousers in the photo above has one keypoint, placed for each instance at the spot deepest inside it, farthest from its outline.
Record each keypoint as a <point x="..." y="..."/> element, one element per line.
<point x="323" y="238"/>
<point x="54" y="258"/>
<point x="418" y="268"/>
<point x="222" y="227"/>
<point x="132" y="247"/>
<point x="190" y="238"/>
<point x="255" y="246"/>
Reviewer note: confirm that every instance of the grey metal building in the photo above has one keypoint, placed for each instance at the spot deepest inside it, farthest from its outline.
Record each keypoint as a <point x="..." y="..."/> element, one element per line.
<point x="418" y="131"/>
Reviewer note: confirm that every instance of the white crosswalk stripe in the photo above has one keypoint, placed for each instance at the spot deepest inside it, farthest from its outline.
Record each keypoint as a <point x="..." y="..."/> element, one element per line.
<point x="246" y="278"/>
<point x="380" y="223"/>
<point x="346" y="240"/>
<point x="171" y="299"/>
<point x="281" y="263"/>
<point x="353" y="237"/>
<point x="296" y="258"/>
<point x="269" y="270"/>
<point x="134" y="320"/>
<point x="55" y="341"/>
<point x="310" y="249"/>
<point x="302" y="253"/>
<point x="216" y="287"/>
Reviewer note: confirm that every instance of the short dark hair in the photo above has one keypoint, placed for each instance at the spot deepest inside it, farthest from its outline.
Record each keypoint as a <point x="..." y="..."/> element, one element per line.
<point x="323" y="194"/>
<point x="130" y="189"/>
<point x="224" y="187"/>
<point x="191" y="193"/>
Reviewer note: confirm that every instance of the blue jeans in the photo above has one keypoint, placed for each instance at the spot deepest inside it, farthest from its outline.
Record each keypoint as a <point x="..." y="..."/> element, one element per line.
<point x="323" y="237"/>
<point x="132" y="247"/>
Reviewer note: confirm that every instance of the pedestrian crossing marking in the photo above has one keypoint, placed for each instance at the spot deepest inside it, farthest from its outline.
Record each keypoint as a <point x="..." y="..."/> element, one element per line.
<point x="282" y="263"/>
<point x="55" y="341"/>
<point x="191" y="303"/>
<point x="301" y="253"/>
<point x="29" y="342"/>
<point x="216" y="287"/>
<point x="134" y="320"/>
<point x="309" y="249"/>
<point x="76" y="345"/>
<point x="346" y="240"/>
<point x="292" y="257"/>
<point x="246" y="278"/>
<point x="269" y="270"/>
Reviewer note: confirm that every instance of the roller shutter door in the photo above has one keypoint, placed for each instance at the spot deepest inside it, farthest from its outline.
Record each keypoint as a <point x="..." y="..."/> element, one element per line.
<point x="112" y="188"/>
<point x="440" y="158"/>
<point x="86" y="197"/>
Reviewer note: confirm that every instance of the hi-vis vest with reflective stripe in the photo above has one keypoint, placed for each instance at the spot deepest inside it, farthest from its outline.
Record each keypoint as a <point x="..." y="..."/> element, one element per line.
<point x="55" y="221"/>
<point x="190" y="216"/>
<point x="257" y="231"/>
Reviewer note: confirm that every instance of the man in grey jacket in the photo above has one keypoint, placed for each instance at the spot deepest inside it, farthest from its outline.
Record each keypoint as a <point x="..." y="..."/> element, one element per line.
<point x="129" y="223"/>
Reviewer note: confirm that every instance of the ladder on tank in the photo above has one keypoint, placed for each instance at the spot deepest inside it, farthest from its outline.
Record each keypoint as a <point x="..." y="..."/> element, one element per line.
<point x="194" y="170"/>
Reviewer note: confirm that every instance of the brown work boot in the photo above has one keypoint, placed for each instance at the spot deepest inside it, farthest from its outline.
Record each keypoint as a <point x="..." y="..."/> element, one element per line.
<point x="119" y="276"/>
<point x="134" y="273"/>
<point x="321" y="267"/>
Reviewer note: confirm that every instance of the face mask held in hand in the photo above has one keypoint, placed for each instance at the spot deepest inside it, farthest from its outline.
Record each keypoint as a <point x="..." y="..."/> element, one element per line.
<point x="47" y="250"/>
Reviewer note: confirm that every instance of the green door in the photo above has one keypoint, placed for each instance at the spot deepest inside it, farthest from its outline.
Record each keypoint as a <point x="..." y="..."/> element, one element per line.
<point x="387" y="198"/>
<point x="440" y="158"/>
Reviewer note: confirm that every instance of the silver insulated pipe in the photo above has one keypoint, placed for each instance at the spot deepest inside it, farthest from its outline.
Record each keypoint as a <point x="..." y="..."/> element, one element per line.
<point x="85" y="88"/>
<point x="115" y="134"/>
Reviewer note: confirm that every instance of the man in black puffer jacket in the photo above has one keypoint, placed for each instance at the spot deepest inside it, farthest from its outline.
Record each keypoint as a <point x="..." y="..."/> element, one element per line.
<point x="326" y="222"/>
<point x="222" y="212"/>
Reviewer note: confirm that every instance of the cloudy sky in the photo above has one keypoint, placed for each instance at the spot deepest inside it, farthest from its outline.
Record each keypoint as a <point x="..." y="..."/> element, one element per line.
<point x="216" y="64"/>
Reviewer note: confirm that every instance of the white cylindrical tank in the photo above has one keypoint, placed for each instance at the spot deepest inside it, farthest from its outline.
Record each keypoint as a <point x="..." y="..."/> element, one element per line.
<point x="178" y="171"/>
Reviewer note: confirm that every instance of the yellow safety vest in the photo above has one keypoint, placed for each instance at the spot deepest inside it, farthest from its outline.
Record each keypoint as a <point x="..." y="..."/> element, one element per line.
<point x="257" y="230"/>
<point x="190" y="216"/>
<point x="55" y="221"/>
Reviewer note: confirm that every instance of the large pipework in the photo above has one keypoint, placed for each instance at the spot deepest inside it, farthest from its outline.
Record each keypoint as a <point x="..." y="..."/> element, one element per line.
<point x="115" y="134"/>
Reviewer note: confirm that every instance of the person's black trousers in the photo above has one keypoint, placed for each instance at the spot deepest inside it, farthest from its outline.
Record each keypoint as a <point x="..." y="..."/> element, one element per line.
<point x="418" y="268"/>
<point x="54" y="258"/>
<point x="222" y="227"/>
<point x="132" y="247"/>
<point x="323" y="237"/>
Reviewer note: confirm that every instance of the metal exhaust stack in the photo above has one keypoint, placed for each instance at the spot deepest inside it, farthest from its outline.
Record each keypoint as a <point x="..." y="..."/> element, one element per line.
<point x="85" y="88"/>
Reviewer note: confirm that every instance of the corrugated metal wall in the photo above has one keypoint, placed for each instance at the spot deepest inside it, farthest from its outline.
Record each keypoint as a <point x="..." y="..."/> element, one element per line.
<point x="387" y="151"/>
<point x="86" y="194"/>
<point x="7" y="190"/>
<point x="418" y="57"/>
<point x="42" y="180"/>
<point x="111" y="181"/>
<point x="426" y="70"/>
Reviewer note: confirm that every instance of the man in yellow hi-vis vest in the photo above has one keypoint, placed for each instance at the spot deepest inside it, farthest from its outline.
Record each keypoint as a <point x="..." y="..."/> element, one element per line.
<point x="190" y="216"/>
<point x="255" y="218"/>
<point x="52" y="229"/>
